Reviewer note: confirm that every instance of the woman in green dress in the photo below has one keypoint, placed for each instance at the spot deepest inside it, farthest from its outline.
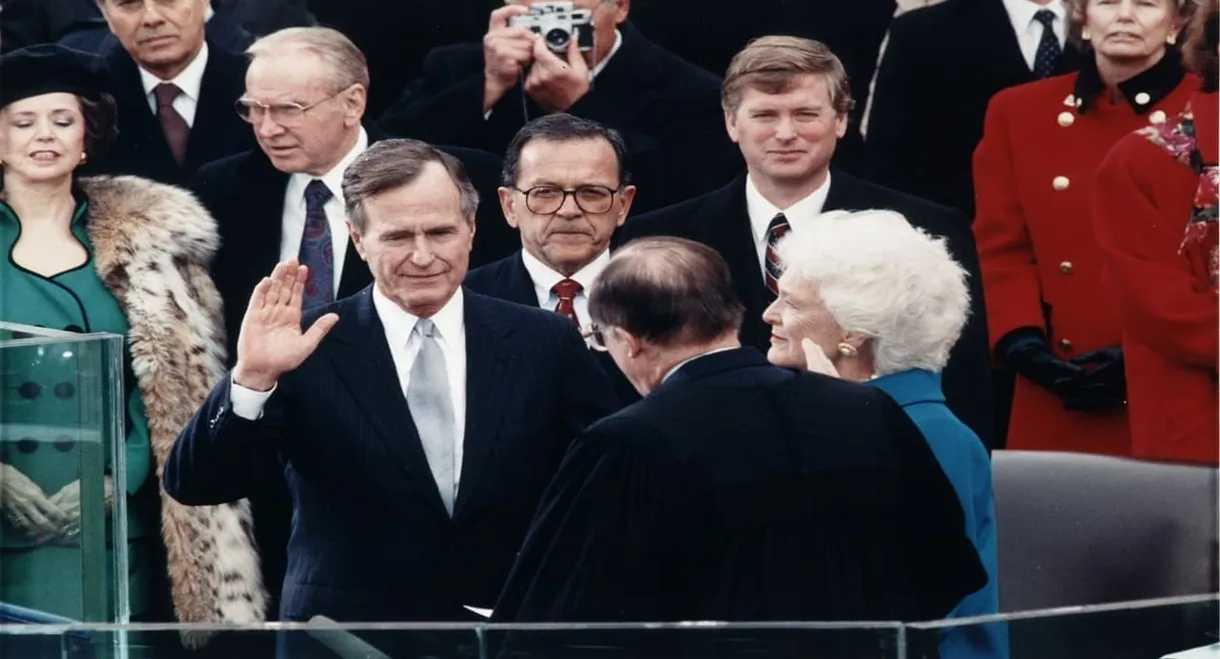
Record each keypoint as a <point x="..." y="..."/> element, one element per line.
<point x="123" y="255"/>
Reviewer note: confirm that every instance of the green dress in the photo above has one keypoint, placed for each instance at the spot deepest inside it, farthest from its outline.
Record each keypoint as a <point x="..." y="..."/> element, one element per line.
<point x="38" y="421"/>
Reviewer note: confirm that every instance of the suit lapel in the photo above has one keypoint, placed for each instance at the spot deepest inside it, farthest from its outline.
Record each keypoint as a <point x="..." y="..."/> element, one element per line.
<point x="368" y="370"/>
<point x="138" y="125"/>
<point x="213" y="111"/>
<point x="487" y="385"/>
<point x="727" y="229"/>
<point x="993" y="34"/>
<point x="518" y="285"/>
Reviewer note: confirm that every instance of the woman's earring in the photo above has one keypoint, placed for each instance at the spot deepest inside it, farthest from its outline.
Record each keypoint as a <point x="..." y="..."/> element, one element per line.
<point x="1084" y="34"/>
<point x="83" y="157"/>
<point x="1171" y="39"/>
<point x="847" y="350"/>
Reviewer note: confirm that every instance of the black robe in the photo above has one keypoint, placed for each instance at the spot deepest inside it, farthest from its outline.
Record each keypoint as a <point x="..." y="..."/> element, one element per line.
<point x="740" y="491"/>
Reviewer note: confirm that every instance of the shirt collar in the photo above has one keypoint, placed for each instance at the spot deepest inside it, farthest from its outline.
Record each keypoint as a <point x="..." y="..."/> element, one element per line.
<point x="333" y="178"/>
<point x="545" y="277"/>
<point x="912" y="386"/>
<point x="761" y="211"/>
<point x="189" y="80"/>
<point x="618" y="43"/>
<point x="688" y="360"/>
<point x="400" y="323"/>
<point x="1143" y="91"/>
<point x="1021" y="12"/>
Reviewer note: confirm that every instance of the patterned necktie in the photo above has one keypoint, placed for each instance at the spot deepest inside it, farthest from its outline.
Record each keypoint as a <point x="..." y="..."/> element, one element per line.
<point x="775" y="231"/>
<point x="1046" y="59"/>
<point x="432" y="409"/>
<point x="172" y="124"/>
<point x="316" y="250"/>
<point x="567" y="289"/>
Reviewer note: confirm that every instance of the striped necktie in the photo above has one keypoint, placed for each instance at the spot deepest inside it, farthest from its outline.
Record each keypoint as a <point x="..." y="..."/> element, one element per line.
<point x="775" y="230"/>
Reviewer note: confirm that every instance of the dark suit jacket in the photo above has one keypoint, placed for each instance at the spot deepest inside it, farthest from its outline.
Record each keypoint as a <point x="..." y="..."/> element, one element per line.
<point x="741" y="491"/>
<point x="141" y="148"/>
<point x="371" y="540"/>
<point x="942" y="65"/>
<point x="507" y="279"/>
<point x="667" y="109"/>
<point x="245" y="193"/>
<point x="720" y="220"/>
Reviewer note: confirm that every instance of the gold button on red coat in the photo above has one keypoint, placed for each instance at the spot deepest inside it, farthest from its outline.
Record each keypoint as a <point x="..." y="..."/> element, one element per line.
<point x="1065" y="267"/>
<point x="1066" y="119"/>
<point x="1065" y="344"/>
<point x="1157" y="117"/>
<point x="1060" y="183"/>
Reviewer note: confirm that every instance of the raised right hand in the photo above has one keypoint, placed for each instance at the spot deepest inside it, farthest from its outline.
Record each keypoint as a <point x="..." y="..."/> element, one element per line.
<point x="26" y="506"/>
<point x="506" y="49"/>
<point x="271" y="341"/>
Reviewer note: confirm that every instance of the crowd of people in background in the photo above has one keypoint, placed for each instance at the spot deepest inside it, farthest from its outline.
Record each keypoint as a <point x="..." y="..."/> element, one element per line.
<point x="597" y="332"/>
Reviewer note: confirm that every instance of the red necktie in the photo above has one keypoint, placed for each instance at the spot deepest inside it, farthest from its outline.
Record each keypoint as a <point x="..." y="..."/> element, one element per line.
<point x="172" y="124"/>
<point x="567" y="289"/>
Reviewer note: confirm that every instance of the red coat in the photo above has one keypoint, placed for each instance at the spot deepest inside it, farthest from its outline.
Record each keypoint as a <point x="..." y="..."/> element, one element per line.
<point x="1033" y="175"/>
<point x="1164" y="284"/>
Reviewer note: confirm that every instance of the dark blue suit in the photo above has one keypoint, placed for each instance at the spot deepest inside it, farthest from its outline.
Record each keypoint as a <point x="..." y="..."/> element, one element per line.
<point x="141" y="148"/>
<point x="507" y="279"/>
<point x="371" y="540"/>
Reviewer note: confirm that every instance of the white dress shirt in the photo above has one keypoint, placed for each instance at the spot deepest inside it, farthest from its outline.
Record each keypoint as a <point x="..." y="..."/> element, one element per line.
<point x="545" y="278"/>
<point x="293" y="221"/>
<point x="189" y="81"/>
<point x="799" y="215"/>
<point x="1029" y="31"/>
<point x="597" y="69"/>
<point x="404" y="346"/>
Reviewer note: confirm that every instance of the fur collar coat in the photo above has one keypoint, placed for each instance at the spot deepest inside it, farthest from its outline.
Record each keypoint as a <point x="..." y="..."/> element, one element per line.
<point x="152" y="247"/>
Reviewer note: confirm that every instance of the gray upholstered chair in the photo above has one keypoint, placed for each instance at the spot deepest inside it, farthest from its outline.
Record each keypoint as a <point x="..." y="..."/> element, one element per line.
<point x="1078" y="529"/>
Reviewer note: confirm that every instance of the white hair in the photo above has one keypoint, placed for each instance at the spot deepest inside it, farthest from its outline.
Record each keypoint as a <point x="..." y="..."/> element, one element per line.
<point x="348" y="65"/>
<point x="881" y="277"/>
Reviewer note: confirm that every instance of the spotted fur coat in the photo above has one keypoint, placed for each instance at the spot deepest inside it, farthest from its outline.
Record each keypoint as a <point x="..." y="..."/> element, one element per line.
<point x="152" y="245"/>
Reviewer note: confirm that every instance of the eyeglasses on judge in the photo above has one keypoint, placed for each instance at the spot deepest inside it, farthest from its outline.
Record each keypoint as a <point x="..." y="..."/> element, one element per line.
<point x="285" y="114"/>
<point x="548" y="199"/>
<point x="595" y="336"/>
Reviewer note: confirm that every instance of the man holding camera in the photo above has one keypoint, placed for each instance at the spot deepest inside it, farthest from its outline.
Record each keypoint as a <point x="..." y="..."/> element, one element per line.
<point x="585" y="59"/>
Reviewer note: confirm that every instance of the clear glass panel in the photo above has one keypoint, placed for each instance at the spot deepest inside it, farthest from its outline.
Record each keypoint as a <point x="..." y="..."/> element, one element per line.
<point x="61" y="441"/>
<point x="694" y="639"/>
<point x="1147" y="629"/>
<point x="458" y="641"/>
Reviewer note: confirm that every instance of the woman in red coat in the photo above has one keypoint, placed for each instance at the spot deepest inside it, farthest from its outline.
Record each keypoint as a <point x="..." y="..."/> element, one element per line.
<point x="1049" y="318"/>
<point x="1155" y="212"/>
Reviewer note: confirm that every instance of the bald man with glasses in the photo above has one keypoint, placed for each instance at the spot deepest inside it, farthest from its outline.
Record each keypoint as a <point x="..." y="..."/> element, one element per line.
<point x="566" y="189"/>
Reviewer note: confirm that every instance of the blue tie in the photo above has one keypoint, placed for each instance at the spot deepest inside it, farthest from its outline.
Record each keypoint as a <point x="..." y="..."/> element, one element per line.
<point x="1046" y="59"/>
<point x="316" y="250"/>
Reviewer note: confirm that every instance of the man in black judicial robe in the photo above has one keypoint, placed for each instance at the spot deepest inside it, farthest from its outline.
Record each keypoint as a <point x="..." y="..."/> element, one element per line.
<point x="735" y="490"/>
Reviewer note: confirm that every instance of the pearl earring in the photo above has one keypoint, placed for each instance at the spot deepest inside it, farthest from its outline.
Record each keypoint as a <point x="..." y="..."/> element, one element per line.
<point x="1171" y="39"/>
<point x="847" y="350"/>
<point x="1084" y="34"/>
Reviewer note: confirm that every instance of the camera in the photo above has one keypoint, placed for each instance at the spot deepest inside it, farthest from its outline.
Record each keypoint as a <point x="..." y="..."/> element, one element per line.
<point x="558" y="23"/>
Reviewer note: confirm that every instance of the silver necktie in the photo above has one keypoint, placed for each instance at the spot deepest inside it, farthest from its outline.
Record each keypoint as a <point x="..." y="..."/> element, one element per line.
<point x="432" y="409"/>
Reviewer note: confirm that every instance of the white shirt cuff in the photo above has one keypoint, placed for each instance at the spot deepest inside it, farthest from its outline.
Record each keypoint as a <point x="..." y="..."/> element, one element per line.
<point x="248" y="403"/>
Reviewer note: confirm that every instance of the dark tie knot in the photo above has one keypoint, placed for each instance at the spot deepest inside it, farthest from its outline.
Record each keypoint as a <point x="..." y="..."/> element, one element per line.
<point x="778" y="226"/>
<point x="317" y="194"/>
<point x="166" y="92"/>
<point x="567" y="289"/>
<point x="1045" y="17"/>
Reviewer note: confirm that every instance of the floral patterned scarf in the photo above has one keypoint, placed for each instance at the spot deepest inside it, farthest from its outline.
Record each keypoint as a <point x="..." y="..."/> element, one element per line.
<point x="1199" y="245"/>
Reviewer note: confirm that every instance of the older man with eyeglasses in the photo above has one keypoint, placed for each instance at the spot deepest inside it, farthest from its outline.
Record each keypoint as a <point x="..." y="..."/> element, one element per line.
<point x="565" y="187"/>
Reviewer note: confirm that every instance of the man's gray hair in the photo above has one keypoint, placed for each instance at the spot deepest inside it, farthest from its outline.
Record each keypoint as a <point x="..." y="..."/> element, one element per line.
<point x="391" y="164"/>
<point x="348" y="65"/>
<point x="882" y="277"/>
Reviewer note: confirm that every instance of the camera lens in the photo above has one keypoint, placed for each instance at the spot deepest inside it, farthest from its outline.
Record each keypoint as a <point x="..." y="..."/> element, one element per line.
<point x="557" y="38"/>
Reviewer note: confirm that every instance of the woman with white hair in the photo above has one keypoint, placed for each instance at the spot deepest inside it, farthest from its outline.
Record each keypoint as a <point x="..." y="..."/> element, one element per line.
<point x="867" y="297"/>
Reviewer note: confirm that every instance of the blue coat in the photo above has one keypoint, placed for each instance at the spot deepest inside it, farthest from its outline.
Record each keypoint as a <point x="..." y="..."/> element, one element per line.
<point x="965" y="461"/>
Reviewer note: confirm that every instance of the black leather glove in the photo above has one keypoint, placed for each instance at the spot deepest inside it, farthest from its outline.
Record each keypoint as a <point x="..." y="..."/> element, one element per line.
<point x="1025" y="351"/>
<point x="1104" y="385"/>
